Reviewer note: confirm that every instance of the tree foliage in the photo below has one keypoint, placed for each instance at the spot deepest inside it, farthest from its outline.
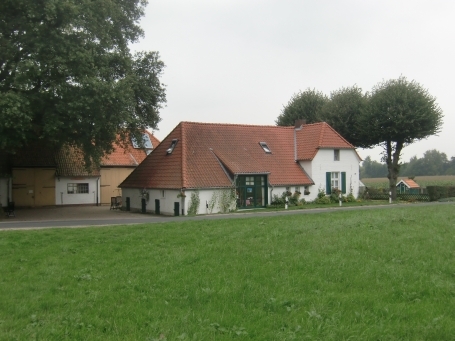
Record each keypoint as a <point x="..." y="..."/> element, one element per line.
<point x="372" y="169"/>
<point x="394" y="114"/>
<point x="344" y="112"/>
<point x="303" y="105"/>
<point x="68" y="76"/>
<point x="400" y="113"/>
<point x="433" y="162"/>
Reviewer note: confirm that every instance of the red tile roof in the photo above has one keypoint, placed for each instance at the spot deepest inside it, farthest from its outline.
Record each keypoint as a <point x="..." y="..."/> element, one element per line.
<point x="70" y="162"/>
<point x="128" y="156"/>
<point x="410" y="183"/>
<point x="312" y="137"/>
<point x="208" y="155"/>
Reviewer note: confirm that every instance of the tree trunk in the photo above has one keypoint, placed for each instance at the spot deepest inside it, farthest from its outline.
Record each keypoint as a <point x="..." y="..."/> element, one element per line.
<point x="393" y="166"/>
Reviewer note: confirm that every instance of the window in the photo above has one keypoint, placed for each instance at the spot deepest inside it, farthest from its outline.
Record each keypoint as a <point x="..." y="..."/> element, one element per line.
<point x="145" y="140"/>
<point x="336" y="155"/>
<point x="307" y="190"/>
<point x="163" y="193"/>
<point x="249" y="180"/>
<point x="265" y="147"/>
<point x="77" y="188"/>
<point x="335" y="180"/>
<point x="171" y="148"/>
<point x="297" y="189"/>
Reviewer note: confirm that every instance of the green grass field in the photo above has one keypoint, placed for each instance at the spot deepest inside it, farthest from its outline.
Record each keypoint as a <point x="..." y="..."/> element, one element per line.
<point x="377" y="274"/>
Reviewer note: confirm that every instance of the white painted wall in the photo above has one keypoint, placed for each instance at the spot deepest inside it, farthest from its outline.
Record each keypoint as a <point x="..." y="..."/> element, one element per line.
<point x="4" y="190"/>
<point x="324" y="162"/>
<point x="166" y="199"/>
<point x="63" y="198"/>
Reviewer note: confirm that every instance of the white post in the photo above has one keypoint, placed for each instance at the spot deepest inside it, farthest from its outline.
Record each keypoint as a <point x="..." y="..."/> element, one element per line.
<point x="390" y="197"/>
<point x="286" y="205"/>
<point x="339" y="198"/>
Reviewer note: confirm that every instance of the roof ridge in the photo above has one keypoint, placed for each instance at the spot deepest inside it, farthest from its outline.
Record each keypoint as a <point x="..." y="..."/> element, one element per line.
<point x="331" y="128"/>
<point x="236" y="124"/>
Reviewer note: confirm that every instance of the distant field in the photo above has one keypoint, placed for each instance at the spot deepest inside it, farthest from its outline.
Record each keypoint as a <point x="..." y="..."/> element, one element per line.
<point x="423" y="181"/>
<point x="362" y="274"/>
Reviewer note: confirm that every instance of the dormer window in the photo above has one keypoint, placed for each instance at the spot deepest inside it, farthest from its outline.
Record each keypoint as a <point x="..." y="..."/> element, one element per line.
<point x="336" y="155"/>
<point x="145" y="141"/>
<point x="265" y="147"/>
<point x="171" y="148"/>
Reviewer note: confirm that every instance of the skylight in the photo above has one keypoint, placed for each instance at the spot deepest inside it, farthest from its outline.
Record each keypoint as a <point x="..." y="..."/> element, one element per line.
<point x="171" y="148"/>
<point x="145" y="140"/>
<point x="265" y="147"/>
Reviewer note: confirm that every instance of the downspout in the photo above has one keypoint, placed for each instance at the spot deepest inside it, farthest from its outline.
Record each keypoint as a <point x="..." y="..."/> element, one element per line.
<point x="97" y="190"/>
<point x="182" y="190"/>
<point x="271" y="192"/>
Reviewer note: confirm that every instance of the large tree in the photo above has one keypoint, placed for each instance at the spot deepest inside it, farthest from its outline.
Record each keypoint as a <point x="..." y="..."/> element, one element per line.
<point x="306" y="105"/>
<point x="400" y="113"/>
<point x="67" y="75"/>
<point x="343" y="112"/>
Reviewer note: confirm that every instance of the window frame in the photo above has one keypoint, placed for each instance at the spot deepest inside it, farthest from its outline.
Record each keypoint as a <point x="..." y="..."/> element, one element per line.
<point x="334" y="179"/>
<point x="336" y="155"/>
<point x="78" y="188"/>
<point x="265" y="147"/>
<point x="172" y="146"/>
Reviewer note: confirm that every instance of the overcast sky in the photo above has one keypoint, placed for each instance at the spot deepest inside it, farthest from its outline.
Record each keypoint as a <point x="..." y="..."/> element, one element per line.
<point x="240" y="61"/>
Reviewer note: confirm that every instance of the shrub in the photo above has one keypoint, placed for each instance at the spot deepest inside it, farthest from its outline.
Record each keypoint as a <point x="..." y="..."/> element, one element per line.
<point x="437" y="192"/>
<point x="193" y="205"/>
<point x="277" y="200"/>
<point x="323" y="200"/>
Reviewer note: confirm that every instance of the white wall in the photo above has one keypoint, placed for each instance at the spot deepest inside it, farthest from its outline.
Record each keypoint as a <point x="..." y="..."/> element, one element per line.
<point x="63" y="198"/>
<point x="4" y="190"/>
<point x="324" y="162"/>
<point x="166" y="201"/>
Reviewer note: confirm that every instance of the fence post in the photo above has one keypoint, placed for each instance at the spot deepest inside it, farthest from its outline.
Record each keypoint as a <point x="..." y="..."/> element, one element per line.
<point x="339" y="198"/>
<point x="390" y="197"/>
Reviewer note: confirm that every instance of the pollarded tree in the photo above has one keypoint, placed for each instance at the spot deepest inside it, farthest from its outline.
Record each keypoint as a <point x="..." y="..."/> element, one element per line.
<point x="67" y="75"/>
<point x="303" y="105"/>
<point x="400" y="113"/>
<point x="343" y="112"/>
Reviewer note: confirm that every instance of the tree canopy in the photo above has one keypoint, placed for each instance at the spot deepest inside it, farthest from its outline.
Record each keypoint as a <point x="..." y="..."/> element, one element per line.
<point x="344" y="110"/>
<point x="400" y="113"/>
<point x="303" y="105"/>
<point x="433" y="162"/>
<point x="67" y="75"/>
<point x="394" y="114"/>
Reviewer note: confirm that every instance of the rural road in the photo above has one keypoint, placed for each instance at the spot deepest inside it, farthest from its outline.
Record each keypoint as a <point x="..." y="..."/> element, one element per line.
<point x="101" y="216"/>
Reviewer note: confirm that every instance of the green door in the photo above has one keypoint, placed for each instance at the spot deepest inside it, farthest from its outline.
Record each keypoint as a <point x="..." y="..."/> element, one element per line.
<point x="251" y="191"/>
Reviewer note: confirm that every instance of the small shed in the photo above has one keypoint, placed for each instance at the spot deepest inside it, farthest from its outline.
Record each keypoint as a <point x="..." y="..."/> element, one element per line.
<point x="408" y="186"/>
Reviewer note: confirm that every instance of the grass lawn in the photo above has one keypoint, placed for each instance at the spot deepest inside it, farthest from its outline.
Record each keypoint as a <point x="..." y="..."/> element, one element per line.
<point x="386" y="274"/>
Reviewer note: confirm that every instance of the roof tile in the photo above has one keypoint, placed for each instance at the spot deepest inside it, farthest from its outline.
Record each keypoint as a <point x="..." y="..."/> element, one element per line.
<point x="204" y="149"/>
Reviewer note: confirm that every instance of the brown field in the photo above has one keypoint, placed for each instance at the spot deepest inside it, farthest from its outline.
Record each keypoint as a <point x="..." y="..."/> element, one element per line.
<point x="423" y="181"/>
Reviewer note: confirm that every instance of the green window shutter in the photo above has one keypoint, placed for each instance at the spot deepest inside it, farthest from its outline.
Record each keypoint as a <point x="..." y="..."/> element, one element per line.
<point x="343" y="182"/>
<point x="328" y="183"/>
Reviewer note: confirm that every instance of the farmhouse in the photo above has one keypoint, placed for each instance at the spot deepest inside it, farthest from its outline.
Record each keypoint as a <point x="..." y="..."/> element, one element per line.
<point x="39" y="176"/>
<point x="229" y="166"/>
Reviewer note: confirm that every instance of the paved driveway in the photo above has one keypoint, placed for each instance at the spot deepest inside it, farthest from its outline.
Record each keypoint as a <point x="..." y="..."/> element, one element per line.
<point x="79" y="216"/>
